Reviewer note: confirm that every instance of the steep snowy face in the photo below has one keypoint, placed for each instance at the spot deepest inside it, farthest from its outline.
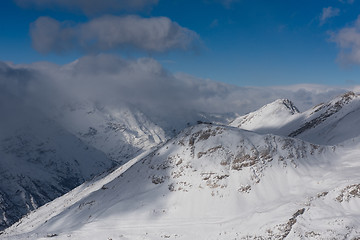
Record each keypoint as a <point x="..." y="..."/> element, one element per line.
<point x="270" y="116"/>
<point x="328" y="123"/>
<point x="44" y="154"/>
<point x="120" y="132"/>
<point x="332" y="122"/>
<point x="210" y="182"/>
<point x="123" y="131"/>
<point x="39" y="161"/>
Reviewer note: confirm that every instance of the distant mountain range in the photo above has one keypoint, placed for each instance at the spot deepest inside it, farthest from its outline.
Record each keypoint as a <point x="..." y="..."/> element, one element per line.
<point x="327" y="123"/>
<point x="274" y="173"/>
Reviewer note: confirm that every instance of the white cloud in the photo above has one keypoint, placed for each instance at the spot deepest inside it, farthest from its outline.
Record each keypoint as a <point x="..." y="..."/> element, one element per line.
<point x="227" y="3"/>
<point x="347" y="1"/>
<point x="90" y="7"/>
<point x="143" y="83"/>
<point x="214" y="23"/>
<point x="348" y="41"/>
<point x="327" y="13"/>
<point x="157" y="34"/>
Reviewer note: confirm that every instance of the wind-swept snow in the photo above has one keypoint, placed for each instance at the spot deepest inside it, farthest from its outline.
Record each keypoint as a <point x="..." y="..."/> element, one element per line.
<point x="212" y="182"/>
<point x="209" y="182"/>
<point x="327" y="123"/>
<point x="271" y="116"/>
<point x="40" y="161"/>
<point x="44" y="154"/>
<point x="122" y="132"/>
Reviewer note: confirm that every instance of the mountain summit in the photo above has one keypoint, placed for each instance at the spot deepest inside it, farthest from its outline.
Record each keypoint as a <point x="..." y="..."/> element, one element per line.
<point x="270" y="116"/>
<point x="327" y="123"/>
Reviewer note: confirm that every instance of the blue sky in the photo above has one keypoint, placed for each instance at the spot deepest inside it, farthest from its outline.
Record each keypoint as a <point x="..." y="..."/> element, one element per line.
<point x="244" y="42"/>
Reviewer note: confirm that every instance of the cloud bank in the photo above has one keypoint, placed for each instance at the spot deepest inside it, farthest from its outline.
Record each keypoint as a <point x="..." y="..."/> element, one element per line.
<point x="348" y="41"/>
<point x="90" y="7"/>
<point x="143" y="83"/>
<point x="157" y="34"/>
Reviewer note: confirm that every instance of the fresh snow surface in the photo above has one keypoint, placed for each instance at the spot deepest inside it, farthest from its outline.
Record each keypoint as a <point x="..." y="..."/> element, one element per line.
<point x="213" y="182"/>
<point x="271" y="116"/>
<point x="45" y="153"/>
<point x="39" y="161"/>
<point x="328" y="123"/>
<point x="124" y="131"/>
<point x="121" y="132"/>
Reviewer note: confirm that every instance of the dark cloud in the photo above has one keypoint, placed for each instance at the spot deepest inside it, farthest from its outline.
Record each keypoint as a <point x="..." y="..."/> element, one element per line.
<point x="157" y="34"/>
<point x="90" y="7"/>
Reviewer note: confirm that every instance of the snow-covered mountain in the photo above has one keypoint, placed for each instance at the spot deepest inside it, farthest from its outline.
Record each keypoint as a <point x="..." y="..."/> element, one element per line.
<point x="39" y="161"/>
<point x="271" y="116"/>
<point x="327" y="123"/>
<point x="274" y="173"/>
<point x="121" y="132"/>
<point x="45" y="153"/>
<point x="213" y="182"/>
<point x="124" y="131"/>
<point x="332" y="122"/>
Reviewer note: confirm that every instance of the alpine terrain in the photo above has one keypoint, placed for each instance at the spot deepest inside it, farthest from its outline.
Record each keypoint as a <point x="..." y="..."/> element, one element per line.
<point x="44" y="154"/>
<point x="274" y="173"/>
<point x="327" y="123"/>
<point x="40" y="161"/>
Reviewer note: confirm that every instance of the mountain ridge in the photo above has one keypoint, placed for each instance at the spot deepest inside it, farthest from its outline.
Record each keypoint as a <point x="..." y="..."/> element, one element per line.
<point x="274" y="113"/>
<point x="206" y="171"/>
<point x="214" y="181"/>
<point x="327" y="123"/>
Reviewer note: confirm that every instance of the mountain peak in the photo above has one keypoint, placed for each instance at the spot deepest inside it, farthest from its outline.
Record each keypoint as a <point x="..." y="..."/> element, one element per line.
<point x="269" y="116"/>
<point x="289" y="105"/>
<point x="344" y="99"/>
<point x="328" y="116"/>
<point x="279" y="106"/>
<point x="349" y="94"/>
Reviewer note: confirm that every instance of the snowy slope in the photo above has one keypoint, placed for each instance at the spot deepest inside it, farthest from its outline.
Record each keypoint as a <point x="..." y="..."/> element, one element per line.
<point x="39" y="161"/>
<point x="121" y="132"/>
<point x="332" y="122"/>
<point x="327" y="123"/>
<point x="271" y="116"/>
<point x="44" y="154"/>
<point x="213" y="182"/>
